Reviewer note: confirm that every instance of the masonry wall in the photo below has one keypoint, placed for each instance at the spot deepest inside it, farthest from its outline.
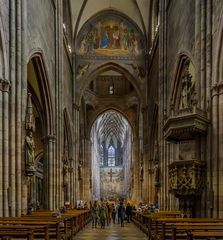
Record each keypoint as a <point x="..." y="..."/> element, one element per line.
<point x="41" y="35"/>
<point x="180" y="34"/>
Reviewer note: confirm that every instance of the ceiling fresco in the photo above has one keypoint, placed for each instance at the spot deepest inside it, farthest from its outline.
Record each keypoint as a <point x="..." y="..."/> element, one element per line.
<point x="110" y="34"/>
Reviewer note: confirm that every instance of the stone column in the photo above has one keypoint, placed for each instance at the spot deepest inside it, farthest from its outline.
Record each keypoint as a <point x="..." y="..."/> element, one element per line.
<point x="208" y="101"/>
<point x="203" y="55"/>
<point x="18" y="129"/>
<point x="4" y="138"/>
<point x="162" y="93"/>
<point x="146" y="182"/>
<point x="1" y="149"/>
<point x="48" y="172"/>
<point x="72" y="182"/>
<point x="215" y="204"/>
<point x="135" y="169"/>
<point x="220" y="152"/>
<point x="12" y="107"/>
<point x="198" y="50"/>
<point x="23" y="99"/>
<point x="58" y="101"/>
<point x="76" y="152"/>
<point x="86" y="169"/>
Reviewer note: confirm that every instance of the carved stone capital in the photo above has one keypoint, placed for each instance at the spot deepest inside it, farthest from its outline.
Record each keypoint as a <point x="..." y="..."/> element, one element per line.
<point x="220" y="88"/>
<point x="76" y="107"/>
<point x="214" y="90"/>
<point x="50" y="138"/>
<point x="4" y="85"/>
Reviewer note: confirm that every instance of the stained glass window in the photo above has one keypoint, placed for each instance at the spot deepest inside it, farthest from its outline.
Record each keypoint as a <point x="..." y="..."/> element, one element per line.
<point x="111" y="156"/>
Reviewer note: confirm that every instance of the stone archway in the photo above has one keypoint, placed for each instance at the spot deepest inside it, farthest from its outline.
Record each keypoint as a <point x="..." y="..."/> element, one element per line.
<point x="120" y="68"/>
<point x="111" y="157"/>
<point x="39" y="101"/>
<point x="68" y="162"/>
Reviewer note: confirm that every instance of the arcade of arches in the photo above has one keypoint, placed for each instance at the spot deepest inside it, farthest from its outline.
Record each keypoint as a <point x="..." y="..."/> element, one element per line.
<point x="111" y="99"/>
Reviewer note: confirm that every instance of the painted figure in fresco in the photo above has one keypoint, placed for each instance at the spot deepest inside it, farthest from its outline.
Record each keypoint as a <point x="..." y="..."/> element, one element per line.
<point x="82" y="69"/>
<point x="96" y="40"/>
<point x="115" y="36"/>
<point x="135" y="49"/>
<point x="125" y="40"/>
<point x="83" y="45"/>
<point x="29" y="152"/>
<point x="105" y="42"/>
<point x="90" y="41"/>
<point x="99" y="33"/>
<point x="132" y="41"/>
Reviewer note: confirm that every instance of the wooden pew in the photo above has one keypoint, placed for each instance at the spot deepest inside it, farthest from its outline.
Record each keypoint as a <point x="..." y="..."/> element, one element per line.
<point x="38" y="231"/>
<point x="167" y="231"/>
<point x="29" y="235"/>
<point x="180" y="232"/>
<point x="146" y="222"/>
<point x="47" y="228"/>
<point x="204" y="235"/>
<point x="165" y="226"/>
<point x="74" y="220"/>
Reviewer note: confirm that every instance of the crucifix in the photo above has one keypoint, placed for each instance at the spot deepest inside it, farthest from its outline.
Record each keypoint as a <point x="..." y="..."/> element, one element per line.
<point x="110" y="173"/>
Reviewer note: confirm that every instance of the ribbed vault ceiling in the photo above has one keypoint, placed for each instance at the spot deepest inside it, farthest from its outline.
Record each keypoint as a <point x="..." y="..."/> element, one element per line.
<point x="137" y="10"/>
<point x="112" y="127"/>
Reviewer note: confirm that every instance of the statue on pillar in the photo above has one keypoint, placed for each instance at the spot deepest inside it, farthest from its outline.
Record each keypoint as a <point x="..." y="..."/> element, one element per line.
<point x="29" y="146"/>
<point x="29" y="152"/>
<point x="141" y="170"/>
<point x="156" y="171"/>
<point x="65" y="177"/>
<point x="187" y="90"/>
<point x="65" y="172"/>
<point x="156" y="168"/>
<point x="80" y="165"/>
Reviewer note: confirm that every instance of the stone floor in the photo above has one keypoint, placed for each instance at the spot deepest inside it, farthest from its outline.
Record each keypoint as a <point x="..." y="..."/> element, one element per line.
<point x="112" y="232"/>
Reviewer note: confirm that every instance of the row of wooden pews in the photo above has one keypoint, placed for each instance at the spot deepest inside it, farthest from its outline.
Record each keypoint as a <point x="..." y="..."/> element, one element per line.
<point x="169" y="225"/>
<point x="44" y="225"/>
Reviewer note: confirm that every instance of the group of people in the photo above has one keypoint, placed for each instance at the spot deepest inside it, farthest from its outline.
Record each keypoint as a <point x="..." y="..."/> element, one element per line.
<point x="103" y="213"/>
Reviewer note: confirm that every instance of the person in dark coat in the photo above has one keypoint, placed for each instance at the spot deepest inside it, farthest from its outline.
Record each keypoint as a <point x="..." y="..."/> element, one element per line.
<point x="121" y="213"/>
<point x="128" y="212"/>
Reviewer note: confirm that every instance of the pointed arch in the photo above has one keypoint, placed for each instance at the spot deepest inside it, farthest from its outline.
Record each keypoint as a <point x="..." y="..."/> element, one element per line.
<point x="106" y="11"/>
<point x="68" y="132"/>
<point x="218" y="74"/>
<point x="115" y="110"/>
<point x="67" y="22"/>
<point x="43" y="84"/>
<point x="184" y="61"/>
<point x="3" y="56"/>
<point x="88" y="78"/>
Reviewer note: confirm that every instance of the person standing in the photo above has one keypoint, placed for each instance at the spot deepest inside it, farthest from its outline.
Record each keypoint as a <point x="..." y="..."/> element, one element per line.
<point x="102" y="214"/>
<point x="113" y="213"/>
<point x="121" y="213"/>
<point x="94" y="214"/>
<point x="128" y="212"/>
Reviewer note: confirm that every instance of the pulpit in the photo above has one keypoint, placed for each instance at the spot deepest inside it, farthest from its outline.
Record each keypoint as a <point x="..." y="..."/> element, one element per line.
<point x="186" y="178"/>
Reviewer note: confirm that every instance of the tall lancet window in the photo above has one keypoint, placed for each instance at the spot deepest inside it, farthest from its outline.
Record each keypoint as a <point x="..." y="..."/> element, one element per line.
<point x="101" y="155"/>
<point x="111" y="156"/>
